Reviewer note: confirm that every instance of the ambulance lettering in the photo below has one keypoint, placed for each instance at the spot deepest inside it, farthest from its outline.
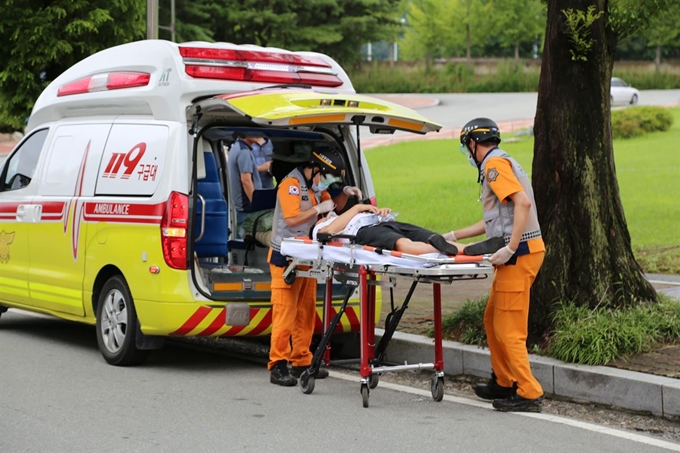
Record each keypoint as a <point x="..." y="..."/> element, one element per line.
<point x="112" y="208"/>
<point x="130" y="160"/>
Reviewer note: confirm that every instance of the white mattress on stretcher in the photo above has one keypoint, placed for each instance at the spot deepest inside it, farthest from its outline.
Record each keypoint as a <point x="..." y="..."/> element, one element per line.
<point x="306" y="249"/>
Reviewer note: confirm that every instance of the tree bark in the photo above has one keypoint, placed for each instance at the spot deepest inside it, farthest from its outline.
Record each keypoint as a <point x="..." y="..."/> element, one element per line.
<point x="589" y="259"/>
<point x="657" y="60"/>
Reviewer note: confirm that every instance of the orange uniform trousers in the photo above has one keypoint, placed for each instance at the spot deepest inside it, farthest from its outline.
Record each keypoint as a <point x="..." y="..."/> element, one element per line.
<point x="293" y="317"/>
<point x="506" y="321"/>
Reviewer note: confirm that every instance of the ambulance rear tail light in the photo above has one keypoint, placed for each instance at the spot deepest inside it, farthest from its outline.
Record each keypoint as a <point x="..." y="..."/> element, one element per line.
<point x="174" y="230"/>
<point x="105" y="82"/>
<point x="257" y="66"/>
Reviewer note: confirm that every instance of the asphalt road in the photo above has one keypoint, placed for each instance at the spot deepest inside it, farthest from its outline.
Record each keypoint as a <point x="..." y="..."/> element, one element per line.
<point x="60" y="396"/>
<point x="454" y="110"/>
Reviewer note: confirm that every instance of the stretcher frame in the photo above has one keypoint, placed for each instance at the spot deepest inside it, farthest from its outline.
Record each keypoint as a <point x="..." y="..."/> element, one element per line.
<point x="366" y="277"/>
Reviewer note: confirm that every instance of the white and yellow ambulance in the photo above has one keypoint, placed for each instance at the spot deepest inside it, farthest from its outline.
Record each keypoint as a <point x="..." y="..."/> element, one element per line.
<point x="115" y="208"/>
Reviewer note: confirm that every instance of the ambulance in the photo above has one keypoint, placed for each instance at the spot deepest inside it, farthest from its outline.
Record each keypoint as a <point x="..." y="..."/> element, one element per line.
<point x="115" y="208"/>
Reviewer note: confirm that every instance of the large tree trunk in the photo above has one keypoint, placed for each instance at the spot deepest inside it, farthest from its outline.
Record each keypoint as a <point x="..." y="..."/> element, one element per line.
<point x="589" y="259"/>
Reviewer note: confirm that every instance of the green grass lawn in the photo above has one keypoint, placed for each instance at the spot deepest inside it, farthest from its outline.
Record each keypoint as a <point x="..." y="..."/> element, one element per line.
<point x="431" y="184"/>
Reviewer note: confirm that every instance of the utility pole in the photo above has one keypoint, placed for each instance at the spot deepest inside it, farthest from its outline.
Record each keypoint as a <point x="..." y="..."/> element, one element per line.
<point x="151" y="19"/>
<point x="170" y="28"/>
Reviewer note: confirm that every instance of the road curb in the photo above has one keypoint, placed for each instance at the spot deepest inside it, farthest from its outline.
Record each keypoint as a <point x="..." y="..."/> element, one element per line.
<point x="614" y="387"/>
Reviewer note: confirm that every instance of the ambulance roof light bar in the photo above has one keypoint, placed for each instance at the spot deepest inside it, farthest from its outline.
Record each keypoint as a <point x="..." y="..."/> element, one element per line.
<point x="105" y="82"/>
<point x="258" y="66"/>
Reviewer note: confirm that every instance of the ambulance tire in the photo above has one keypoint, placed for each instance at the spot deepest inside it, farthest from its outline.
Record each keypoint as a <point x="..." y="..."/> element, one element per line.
<point x="117" y="338"/>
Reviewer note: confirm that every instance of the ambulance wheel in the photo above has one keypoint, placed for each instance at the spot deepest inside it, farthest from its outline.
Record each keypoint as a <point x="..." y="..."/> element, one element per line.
<point x="364" y="394"/>
<point x="117" y="324"/>
<point x="437" y="388"/>
<point x="373" y="380"/>
<point x="307" y="382"/>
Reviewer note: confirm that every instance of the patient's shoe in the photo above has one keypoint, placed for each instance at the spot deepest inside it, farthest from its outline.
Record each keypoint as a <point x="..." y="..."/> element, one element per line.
<point x="437" y="241"/>
<point x="486" y="247"/>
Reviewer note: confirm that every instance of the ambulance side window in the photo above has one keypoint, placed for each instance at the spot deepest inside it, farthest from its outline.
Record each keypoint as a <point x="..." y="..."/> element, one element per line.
<point x="21" y="165"/>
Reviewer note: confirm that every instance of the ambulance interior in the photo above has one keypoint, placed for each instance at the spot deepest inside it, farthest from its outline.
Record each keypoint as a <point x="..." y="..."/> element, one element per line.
<point x="227" y="266"/>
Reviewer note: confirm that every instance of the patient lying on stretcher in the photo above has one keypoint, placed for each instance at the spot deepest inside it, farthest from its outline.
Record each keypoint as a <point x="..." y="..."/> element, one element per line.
<point x="376" y="227"/>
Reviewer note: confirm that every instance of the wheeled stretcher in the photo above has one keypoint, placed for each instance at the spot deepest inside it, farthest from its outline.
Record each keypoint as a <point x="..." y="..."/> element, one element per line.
<point x="363" y="268"/>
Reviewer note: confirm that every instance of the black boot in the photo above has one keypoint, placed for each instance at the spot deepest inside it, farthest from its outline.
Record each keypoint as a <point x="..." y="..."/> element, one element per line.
<point x="296" y="371"/>
<point x="442" y="245"/>
<point x="517" y="403"/>
<point x="492" y="391"/>
<point x="280" y="376"/>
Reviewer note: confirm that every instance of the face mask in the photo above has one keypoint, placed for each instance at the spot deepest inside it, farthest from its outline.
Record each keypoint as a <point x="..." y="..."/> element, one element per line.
<point x="467" y="153"/>
<point x="319" y="187"/>
<point x="325" y="183"/>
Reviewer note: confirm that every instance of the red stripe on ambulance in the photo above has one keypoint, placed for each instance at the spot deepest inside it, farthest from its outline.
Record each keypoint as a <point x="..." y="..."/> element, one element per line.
<point x="195" y="319"/>
<point x="263" y="325"/>
<point x="217" y="323"/>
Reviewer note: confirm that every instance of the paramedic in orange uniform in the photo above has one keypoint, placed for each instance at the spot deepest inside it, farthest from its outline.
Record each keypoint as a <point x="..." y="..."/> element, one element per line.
<point x="301" y="198"/>
<point x="509" y="212"/>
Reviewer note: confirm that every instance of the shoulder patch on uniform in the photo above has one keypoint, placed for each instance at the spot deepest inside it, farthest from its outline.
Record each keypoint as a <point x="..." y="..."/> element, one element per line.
<point x="492" y="174"/>
<point x="294" y="190"/>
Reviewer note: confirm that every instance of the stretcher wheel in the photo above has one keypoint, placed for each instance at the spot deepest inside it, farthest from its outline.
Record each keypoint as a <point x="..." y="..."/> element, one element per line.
<point x="364" y="394"/>
<point x="307" y="382"/>
<point x="437" y="388"/>
<point x="373" y="380"/>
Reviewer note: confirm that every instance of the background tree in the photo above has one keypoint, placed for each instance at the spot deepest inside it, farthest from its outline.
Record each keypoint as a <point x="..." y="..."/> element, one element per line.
<point x="518" y="22"/>
<point x="663" y="30"/>
<point x="589" y="259"/>
<point x="334" y="27"/>
<point x="472" y="18"/>
<point x="42" y="38"/>
<point x="192" y="20"/>
<point x="428" y="31"/>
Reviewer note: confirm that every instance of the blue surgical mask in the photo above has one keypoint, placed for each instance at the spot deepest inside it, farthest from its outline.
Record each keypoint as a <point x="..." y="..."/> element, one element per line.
<point x="467" y="153"/>
<point x="318" y="188"/>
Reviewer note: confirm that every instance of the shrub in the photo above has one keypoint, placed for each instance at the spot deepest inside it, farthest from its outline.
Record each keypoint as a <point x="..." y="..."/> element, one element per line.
<point x="635" y="121"/>
<point x="596" y="337"/>
<point x="467" y="324"/>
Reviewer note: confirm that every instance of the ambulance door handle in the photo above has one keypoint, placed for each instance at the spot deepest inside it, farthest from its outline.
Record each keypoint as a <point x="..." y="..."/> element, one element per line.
<point x="202" y="217"/>
<point x="36" y="213"/>
<point x="21" y="212"/>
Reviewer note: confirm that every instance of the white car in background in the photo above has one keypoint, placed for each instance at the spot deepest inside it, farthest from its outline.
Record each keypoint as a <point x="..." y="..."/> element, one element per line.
<point x="622" y="93"/>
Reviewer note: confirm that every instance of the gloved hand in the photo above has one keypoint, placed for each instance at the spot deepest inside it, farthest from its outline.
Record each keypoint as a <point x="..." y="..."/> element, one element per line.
<point x="324" y="206"/>
<point x="450" y="236"/>
<point x="502" y="256"/>
<point x="352" y="190"/>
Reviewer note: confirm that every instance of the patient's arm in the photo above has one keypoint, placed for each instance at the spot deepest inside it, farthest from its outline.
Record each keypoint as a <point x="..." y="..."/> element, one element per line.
<point x="339" y="224"/>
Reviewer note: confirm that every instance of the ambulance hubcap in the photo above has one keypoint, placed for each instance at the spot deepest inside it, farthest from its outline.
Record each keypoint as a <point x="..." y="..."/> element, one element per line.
<point x="114" y="321"/>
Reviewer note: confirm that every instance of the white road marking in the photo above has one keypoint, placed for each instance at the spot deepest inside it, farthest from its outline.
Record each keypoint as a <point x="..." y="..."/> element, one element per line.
<point x="546" y="417"/>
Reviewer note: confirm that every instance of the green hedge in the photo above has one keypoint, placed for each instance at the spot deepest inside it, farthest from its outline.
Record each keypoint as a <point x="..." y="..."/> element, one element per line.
<point x="635" y="121"/>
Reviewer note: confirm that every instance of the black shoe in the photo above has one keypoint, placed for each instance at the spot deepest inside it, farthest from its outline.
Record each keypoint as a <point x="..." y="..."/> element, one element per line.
<point x="437" y="241"/>
<point x="490" y="390"/>
<point x="486" y="247"/>
<point x="297" y="371"/>
<point x="517" y="403"/>
<point x="280" y="376"/>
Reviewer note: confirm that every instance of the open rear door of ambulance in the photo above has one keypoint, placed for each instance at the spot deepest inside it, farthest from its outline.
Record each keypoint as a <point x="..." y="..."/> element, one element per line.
<point x="303" y="108"/>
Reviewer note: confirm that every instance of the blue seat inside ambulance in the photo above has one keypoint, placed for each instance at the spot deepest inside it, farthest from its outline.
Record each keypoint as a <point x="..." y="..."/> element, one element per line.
<point x="216" y="233"/>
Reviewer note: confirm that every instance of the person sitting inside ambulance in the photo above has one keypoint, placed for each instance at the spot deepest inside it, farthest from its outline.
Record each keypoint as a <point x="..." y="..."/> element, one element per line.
<point x="244" y="176"/>
<point x="376" y="227"/>
<point x="263" y="149"/>
<point x="301" y="198"/>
